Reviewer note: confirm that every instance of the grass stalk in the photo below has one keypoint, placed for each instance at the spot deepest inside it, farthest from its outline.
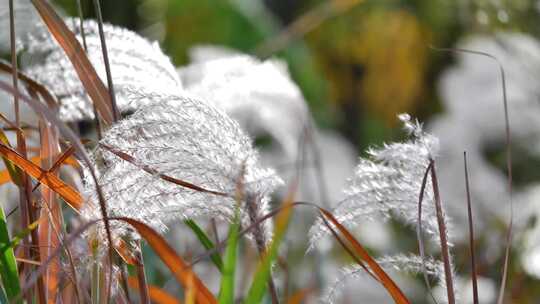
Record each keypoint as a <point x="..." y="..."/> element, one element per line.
<point x="260" y="241"/>
<point x="141" y="276"/>
<point x="471" y="232"/>
<point x="27" y="210"/>
<point x="443" y="236"/>
<point x="114" y="107"/>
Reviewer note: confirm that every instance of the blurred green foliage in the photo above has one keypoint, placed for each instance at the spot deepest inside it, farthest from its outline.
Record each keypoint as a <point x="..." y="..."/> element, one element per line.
<point x="357" y="70"/>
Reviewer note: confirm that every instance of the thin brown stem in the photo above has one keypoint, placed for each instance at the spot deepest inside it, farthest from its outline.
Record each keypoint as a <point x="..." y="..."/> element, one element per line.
<point x="81" y="24"/>
<point x="141" y="276"/>
<point x="28" y="212"/>
<point x="260" y="241"/>
<point x="419" y="237"/>
<point x="502" y="287"/>
<point x="97" y="7"/>
<point x="14" y="60"/>
<point x="83" y="35"/>
<point x="443" y="237"/>
<point x="471" y="231"/>
<point x="124" y="279"/>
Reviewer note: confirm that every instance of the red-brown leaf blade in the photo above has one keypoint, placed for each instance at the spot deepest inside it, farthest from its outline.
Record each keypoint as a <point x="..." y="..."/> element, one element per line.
<point x="362" y="253"/>
<point x="183" y="274"/>
<point x="50" y="215"/>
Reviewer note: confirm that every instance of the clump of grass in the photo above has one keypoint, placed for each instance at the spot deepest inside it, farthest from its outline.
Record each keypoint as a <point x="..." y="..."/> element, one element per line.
<point x="177" y="157"/>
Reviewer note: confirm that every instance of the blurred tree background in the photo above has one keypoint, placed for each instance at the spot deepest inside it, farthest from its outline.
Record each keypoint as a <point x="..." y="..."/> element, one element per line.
<point x="359" y="64"/>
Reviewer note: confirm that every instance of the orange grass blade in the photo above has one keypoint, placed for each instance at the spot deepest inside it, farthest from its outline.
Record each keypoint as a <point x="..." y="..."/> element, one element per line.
<point x="125" y="254"/>
<point x="357" y="248"/>
<point x="190" y="295"/>
<point x="70" y="195"/>
<point x="50" y="214"/>
<point x="174" y="262"/>
<point x="157" y="295"/>
<point x="4" y="177"/>
<point x="299" y="296"/>
<point x="65" y="158"/>
<point x="69" y="160"/>
<point x="86" y="72"/>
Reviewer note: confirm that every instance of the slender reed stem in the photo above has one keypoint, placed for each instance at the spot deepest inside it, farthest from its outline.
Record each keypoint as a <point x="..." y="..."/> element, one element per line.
<point x="443" y="236"/>
<point x="471" y="232"/>
<point x="27" y="210"/>
<point x="141" y="276"/>
<point x="81" y="24"/>
<point x="14" y="61"/>
<point x="419" y="237"/>
<point x="97" y="7"/>
<point x="116" y="116"/>
<point x="251" y="203"/>
<point x="508" y="143"/>
<point x="124" y="278"/>
<point x="94" y="288"/>
<point x="83" y="35"/>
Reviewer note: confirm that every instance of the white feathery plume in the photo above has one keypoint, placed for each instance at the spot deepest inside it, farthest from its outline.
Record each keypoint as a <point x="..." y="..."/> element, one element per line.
<point x="26" y="114"/>
<point x="134" y="61"/>
<point x="387" y="184"/>
<point x="25" y="20"/>
<point x="200" y="54"/>
<point x="186" y="139"/>
<point x="260" y="95"/>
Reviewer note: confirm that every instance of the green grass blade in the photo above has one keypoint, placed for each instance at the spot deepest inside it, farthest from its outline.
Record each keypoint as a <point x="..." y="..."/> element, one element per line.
<point x="3" y="297"/>
<point x="258" y="287"/>
<point x="206" y="242"/>
<point x="8" y="264"/>
<point x="226" y="293"/>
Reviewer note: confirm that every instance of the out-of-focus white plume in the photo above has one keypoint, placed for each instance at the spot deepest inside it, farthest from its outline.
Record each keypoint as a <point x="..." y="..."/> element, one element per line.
<point x="134" y="61"/>
<point x="468" y="89"/>
<point x="260" y="95"/>
<point x="26" y="18"/>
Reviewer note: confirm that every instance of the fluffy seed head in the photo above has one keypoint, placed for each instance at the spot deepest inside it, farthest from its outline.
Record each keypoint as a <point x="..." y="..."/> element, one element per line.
<point x="186" y="139"/>
<point x="387" y="184"/>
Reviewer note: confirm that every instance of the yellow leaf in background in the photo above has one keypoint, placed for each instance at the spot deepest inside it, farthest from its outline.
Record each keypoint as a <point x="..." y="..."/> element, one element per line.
<point x="375" y="57"/>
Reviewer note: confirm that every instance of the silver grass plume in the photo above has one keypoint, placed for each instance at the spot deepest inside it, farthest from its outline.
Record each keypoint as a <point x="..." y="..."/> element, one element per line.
<point x="260" y="95"/>
<point x="187" y="139"/>
<point x="134" y="61"/>
<point x="387" y="184"/>
<point x="25" y="20"/>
